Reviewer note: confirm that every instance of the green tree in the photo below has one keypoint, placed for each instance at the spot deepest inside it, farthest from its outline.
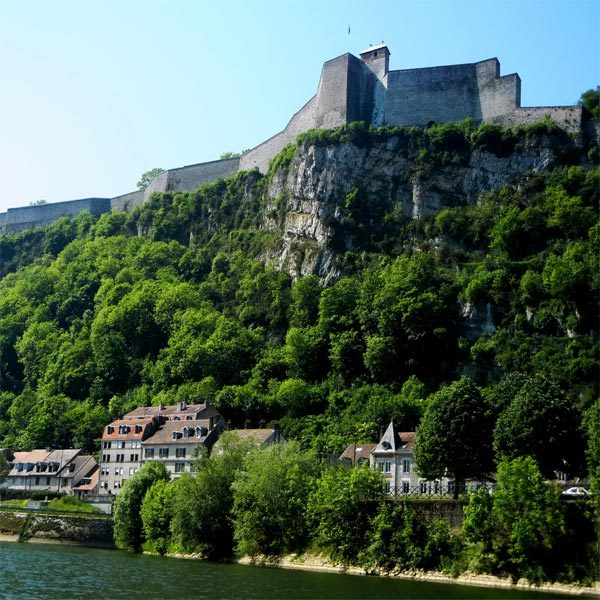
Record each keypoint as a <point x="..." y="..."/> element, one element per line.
<point x="540" y="422"/>
<point x="156" y="513"/>
<point x="202" y="520"/>
<point x="4" y="466"/>
<point x="270" y="497"/>
<point x="147" y="177"/>
<point x="340" y="508"/>
<point x="591" y="425"/>
<point x="455" y="435"/>
<point x="528" y="520"/>
<point x="398" y="538"/>
<point x="128" y="530"/>
<point x="590" y="100"/>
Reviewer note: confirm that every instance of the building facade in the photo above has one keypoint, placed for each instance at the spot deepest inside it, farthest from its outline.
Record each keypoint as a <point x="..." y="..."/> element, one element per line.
<point x="169" y="434"/>
<point x="49" y="470"/>
<point x="122" y="451"/>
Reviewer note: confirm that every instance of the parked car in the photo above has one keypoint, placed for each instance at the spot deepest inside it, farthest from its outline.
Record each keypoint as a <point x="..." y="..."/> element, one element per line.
<point x="576" y="491"/>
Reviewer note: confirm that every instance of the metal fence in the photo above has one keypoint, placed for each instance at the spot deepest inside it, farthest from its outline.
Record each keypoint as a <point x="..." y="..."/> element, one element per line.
<point x="435" y="490"/>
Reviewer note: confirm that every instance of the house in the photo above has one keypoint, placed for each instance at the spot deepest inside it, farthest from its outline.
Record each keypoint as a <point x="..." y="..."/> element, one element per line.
<point x="176" y="443"/>
<point x="257" y="437"/>
<point x="161" y="433"/>
<point x="357" y="454"/>
<point x="50" y="470"/>
<point x="394" y="457"/>
<point x="182" y="411"/>
<point x="88" y="485"/>
<point x="122" y="451"/>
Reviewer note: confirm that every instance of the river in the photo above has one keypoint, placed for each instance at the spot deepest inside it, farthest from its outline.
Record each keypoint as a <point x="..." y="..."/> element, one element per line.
<point x="43" y="571"/>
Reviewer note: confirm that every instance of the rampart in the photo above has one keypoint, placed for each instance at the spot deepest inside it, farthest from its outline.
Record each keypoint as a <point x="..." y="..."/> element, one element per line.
<point x="452" y="93"/>
<point x="39" y="215"/>
<point x="191" y="177"/>
<point x="350" y="89"/>
<point x="127" y="202"/>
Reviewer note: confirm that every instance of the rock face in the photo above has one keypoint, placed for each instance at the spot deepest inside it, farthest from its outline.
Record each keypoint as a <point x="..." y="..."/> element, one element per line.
<point x="303" y="198"/>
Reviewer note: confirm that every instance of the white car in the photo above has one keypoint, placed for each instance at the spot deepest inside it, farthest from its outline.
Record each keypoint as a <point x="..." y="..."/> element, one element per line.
<point x="576" y="491"/>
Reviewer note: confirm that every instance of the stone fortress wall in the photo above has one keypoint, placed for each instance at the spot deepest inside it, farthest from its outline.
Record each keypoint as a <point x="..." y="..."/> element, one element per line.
<point x="28" y="217"/>
<point x="350" y="89"/>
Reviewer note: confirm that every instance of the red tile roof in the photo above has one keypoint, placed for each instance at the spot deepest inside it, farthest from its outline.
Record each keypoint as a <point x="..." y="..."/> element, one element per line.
<point x="356" y="452"/>
<point x="129" y="429"/>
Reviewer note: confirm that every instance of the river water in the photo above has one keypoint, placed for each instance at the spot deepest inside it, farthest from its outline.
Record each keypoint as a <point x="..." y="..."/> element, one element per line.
<point x="41" y="571"/>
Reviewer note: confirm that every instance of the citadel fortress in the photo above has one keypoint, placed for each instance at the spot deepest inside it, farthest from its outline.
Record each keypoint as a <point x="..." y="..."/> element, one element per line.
<point x="350" y="89"/>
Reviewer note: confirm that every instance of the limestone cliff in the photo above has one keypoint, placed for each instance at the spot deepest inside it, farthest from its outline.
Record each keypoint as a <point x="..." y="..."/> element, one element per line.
<point x="307" y="196"/>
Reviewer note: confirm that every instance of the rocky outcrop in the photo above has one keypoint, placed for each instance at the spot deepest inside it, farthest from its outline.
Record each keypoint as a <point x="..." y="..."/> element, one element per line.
<point x="304" y="197"/>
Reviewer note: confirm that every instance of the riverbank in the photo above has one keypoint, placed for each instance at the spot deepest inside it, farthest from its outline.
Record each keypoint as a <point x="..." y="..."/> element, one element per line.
<point x="316" y="563"/>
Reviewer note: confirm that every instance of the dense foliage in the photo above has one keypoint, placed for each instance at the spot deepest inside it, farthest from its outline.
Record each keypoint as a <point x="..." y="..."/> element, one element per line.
<point x="171" y="302"/>
<point x="267" y="502"/>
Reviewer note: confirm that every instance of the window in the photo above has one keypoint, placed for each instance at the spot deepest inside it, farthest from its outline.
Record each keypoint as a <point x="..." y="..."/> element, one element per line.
<point x="385" y="466"/>
<point x="130" y="470"/>
<point x="47" y="480"/>
<point x="116" y="470"/>
<point x="406" y="465"/>
<point x="163" y="453"/>
<point x="179" y="467"/>
<point x="133" y="457"/>
<point x="405" y="487"/>
<point x="423" y="487"/>
<point x="121" y="444"/>
<point x="149" y="453"/>
<point x="180" y="453"/>
<point x="37" y="481"/>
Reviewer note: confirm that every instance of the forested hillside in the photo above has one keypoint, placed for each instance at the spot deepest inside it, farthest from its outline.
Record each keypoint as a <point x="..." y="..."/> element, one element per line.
<point x="185" y="298"/>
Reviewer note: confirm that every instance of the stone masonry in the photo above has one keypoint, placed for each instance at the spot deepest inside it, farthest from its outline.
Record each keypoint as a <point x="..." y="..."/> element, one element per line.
<point x="350" y="89"/>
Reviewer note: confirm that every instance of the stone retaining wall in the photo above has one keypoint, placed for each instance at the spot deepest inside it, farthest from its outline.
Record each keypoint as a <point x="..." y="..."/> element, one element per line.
<point x="88" y="531"/>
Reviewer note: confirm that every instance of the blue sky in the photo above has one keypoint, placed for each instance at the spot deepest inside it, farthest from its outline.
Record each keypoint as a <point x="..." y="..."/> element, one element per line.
<point x="92" y="94"/>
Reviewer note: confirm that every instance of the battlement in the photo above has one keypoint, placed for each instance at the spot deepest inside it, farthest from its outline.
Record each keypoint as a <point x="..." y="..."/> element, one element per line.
<point x="350" y="89"/>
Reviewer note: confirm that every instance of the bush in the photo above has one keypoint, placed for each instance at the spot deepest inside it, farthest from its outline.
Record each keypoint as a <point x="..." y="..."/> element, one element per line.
<point x="489" y="137"/>
<point x="340" y="508"/>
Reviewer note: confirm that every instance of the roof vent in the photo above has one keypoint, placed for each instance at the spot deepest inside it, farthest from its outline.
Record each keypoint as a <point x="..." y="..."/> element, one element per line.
<point x="386" y="445"/>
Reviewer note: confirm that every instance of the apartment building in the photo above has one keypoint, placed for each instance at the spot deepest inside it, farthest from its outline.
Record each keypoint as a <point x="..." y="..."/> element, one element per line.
<point x="122" y="451"/>
<point x="178" y="443"/>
